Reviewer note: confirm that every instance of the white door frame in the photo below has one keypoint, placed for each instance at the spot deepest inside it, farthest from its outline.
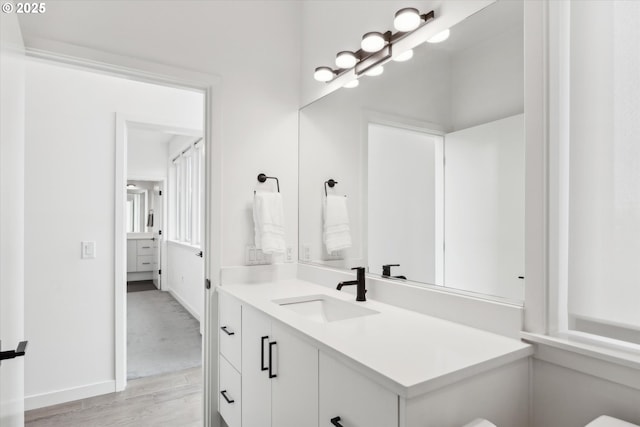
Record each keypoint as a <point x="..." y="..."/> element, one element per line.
<point x="210" y="86"/>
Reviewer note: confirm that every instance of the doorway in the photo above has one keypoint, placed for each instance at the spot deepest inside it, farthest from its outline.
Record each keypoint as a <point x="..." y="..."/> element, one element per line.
<point x="93" y="291"/>
<point x="164" y="230"/>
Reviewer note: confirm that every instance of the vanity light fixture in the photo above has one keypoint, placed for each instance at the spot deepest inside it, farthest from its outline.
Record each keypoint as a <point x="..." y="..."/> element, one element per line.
<point x="346" y="59"/>
<point x="440" y="37"/>
<point x="376" y="48"/>
<point x="407" y="19"/>
<point x="323" y="74"/>
<point x="373" y="41"/>
<point x="404" y="56"/>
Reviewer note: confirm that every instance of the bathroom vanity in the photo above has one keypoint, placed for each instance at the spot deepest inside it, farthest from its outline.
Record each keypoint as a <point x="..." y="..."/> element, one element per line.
<point x="301" y="354"/>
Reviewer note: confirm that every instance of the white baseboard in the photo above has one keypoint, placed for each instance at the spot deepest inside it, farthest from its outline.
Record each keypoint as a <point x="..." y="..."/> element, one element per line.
<point x="184" y="304"/>
<point x="68" y="395"/>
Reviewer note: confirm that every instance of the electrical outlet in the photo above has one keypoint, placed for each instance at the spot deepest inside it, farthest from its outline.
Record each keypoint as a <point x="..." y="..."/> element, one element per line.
<point x="334" y="256"/>
<point x="306" y="253"/>
<point x="255" y="256"/>
<point x="289" y="254"/>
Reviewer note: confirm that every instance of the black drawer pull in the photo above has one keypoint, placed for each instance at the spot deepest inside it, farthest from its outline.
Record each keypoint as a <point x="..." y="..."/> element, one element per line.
<point x="146" y="247"/>
<point x="271" y="374"/>
<point x="224" y="328"/>
<point x="262" y="340"/>
<point x="224" y="394"/>
<point x="336" y="422"/>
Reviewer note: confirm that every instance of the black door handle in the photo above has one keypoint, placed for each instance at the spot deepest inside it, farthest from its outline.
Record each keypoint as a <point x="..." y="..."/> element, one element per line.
<point x="12" y="354"/>
<point x="271" y="374"/>
<point x="224" y="328"/>
<point x="262" y="340"/>
<point x="199" y="254"/>
<point x="336" y="422"/>
<point x="224" y="394"/>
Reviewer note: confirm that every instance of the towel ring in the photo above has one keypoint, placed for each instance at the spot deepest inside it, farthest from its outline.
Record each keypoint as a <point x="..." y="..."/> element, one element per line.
<point x="262" y="178"/>
<point x="331" y="183"/>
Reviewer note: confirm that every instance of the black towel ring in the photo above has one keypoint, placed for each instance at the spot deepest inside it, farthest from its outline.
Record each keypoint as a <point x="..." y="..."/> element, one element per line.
<point x="262" y="178"/>
<point x="331" y="182"/>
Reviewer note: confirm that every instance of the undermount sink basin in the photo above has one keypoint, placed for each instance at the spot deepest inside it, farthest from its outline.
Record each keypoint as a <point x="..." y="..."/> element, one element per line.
<point x="323" y="308"/>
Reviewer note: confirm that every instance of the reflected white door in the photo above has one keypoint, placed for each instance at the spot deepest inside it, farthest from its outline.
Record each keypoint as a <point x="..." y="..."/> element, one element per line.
<point x="405" y="202"/>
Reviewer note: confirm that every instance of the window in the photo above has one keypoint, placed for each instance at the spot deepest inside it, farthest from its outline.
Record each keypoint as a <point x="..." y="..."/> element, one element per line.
<point x="599" y="172"/>
<point x="188" y="177"/>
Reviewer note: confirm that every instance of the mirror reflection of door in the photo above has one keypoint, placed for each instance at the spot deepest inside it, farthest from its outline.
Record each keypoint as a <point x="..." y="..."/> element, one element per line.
<point x="405" y="202"/>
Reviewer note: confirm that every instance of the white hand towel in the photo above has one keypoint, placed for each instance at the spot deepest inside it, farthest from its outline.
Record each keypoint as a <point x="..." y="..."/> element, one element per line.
<point x="336" y="233"/>
<point x="268" y="222"/>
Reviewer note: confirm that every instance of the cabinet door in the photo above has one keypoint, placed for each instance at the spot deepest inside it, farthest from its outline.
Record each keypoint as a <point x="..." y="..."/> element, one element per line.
<point x="358" y="401"/>
<point x="256" y="385"/>
<point x="294" y="389"/>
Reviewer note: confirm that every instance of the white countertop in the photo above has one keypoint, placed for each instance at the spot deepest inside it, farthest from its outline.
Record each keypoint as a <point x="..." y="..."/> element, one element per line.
<point x="407" y="352"/>
<point x="139" y="236"/>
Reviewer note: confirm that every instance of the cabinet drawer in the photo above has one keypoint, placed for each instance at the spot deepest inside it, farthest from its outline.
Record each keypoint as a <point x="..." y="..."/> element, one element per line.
<point x="145" y="263"/>
<point x="230" y="332"/>
<point x="229" y="396"/>
<point x="145" y="247"/>
<point x="358" y="401"/>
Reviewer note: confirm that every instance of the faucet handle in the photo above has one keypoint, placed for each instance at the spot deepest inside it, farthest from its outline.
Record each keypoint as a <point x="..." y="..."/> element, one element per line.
<point x="386" y="269"/>
<point x="357" y="268"/>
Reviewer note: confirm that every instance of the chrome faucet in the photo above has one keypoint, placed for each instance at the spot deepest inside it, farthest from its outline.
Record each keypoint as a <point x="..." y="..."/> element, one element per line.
<point x="361" y="291"/>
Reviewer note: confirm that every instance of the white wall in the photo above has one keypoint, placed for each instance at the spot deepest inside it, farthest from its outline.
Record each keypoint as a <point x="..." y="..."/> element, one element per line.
<point x="12" y="104"/>
<point x="146" y="158"/>
<point x="487" y="79"/>
<point x="484" y="208"/>
<point x="257" y="61"/>
<point x="568" y="398"/>
<point x="184" y="277"/>
<point x="69" y="188"/>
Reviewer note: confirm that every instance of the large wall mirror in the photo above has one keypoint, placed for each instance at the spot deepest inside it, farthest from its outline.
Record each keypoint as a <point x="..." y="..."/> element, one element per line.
<point x="427" y="164"/>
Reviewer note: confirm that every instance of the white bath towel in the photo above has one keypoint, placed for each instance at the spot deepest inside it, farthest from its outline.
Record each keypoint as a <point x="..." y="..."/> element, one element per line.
<point x="336" y="233"/>
<point x="268" y="220"/>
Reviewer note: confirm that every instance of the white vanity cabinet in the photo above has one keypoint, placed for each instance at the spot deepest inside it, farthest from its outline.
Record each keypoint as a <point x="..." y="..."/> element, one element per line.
<point x="140" y="255"/>
<point x="279" y="375"/>
<point x="297" y="373"/>
<point x="352" y="400"/>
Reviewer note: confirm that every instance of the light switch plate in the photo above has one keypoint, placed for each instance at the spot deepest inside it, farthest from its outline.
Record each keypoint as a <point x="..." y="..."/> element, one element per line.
<point x="88" y="250"/>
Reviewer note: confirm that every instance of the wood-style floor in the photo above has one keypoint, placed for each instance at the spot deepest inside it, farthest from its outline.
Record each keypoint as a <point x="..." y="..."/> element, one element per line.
<point x="169" y="400"/>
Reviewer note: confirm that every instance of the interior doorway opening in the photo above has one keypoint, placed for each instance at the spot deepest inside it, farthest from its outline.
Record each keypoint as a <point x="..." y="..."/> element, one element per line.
<point x="164" y="232"/>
